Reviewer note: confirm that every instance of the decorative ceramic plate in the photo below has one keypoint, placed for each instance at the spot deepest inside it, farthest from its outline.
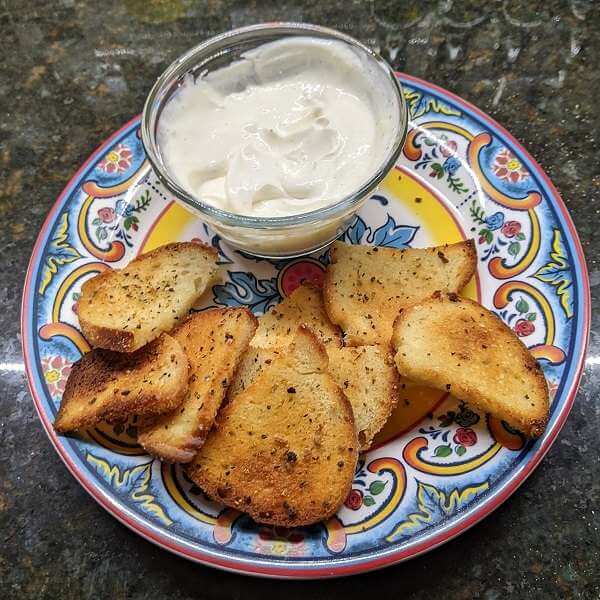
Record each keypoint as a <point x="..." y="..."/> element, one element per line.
<point x="437" y="467"/>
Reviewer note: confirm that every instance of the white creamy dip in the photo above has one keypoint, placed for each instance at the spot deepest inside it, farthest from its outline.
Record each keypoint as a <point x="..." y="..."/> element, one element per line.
<point x="294" y="125"/>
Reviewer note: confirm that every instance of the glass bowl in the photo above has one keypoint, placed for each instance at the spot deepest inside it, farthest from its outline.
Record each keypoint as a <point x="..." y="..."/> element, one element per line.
<point x="270" y="237"/>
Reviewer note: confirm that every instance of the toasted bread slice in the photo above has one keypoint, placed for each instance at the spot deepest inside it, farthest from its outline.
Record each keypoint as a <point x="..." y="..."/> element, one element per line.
<point x="304" y="306"/>
<point x="366" y="374"/>
<point x="214" y="342"/>
<point x="365" y="287"/>
<point x="457" y="345"/>
<point x="370" y="380"/>
<point x="252" y="364"/>
<point x="106" y="385"/>
<point x="285" y="449"/>
<point x="124" y="309"/>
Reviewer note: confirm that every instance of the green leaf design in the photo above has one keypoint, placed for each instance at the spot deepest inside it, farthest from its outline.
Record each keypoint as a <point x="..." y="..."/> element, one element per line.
<point x="477" y="212"/>
<point x="456" y="185"/>
<point x="97" y="221"/>
<point x="101" y="233"/>
<point x="443" y="451"/>
<point x="368" y="501"/>
<point x="460" y="450"/>
<point x="489" y="236"/>
<point x="377" y="487"/>
<point x="438" y="170"/>
<point x="557" y="273"/>
<point x="433" y="505"/>
<point x="522" y="306"/>
<point x="514" y="248"/>
<point x="60" y="252"/>
<point x="142" y="202"/>
<point x="129" y="221"/>
<point x="133" y="482"/>
<point x="531" y="317"/>
<point x="520" y="236"/>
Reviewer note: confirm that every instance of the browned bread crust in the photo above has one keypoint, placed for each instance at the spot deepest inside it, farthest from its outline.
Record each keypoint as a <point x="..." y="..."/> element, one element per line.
<point x="123" y="309"/>
<point x="214" y="342"/>
<point x="106" y="385"/>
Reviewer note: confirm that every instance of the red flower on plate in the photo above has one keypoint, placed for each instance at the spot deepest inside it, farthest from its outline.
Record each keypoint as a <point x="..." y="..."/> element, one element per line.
<point x="524" y="327"/>
<point x="295" y="274"/>
<point x="508" y="167"/>
<point x="354" y="500"/>
<point x="448" y="148"/>
<point x="75" y="306"/>
<point x="107" y="214"/>
<point x="117" y="160"/>
<point x="465" y="436"/>
<point x="56" y="371"/>
<point x="511" y="228"/>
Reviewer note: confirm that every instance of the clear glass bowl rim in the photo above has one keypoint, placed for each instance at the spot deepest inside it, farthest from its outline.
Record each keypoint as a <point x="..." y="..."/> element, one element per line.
<point x="190" y="59"/>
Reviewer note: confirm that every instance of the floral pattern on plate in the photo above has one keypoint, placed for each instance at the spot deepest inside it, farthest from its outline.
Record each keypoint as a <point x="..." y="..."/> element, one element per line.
<point x="439" y="466"/>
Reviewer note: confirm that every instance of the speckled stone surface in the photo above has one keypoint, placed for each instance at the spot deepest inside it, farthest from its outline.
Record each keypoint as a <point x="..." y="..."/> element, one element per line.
<point x="73" y="72"/>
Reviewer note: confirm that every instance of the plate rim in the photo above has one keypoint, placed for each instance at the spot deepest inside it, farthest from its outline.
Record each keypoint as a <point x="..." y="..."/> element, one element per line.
<point x="335" y="567"/>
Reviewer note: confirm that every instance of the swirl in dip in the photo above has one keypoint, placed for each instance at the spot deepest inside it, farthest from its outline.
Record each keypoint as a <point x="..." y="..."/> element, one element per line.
<point x="292" y="126"/>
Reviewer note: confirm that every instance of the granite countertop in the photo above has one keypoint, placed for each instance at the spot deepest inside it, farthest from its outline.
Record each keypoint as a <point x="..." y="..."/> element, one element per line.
<point x="73" y="72"/>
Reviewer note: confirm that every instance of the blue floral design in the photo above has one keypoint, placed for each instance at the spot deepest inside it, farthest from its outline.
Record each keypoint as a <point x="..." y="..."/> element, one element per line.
<point x="451" y="165"/>
<point x="495" y="221"/>
<point x="122" y="208"/>
<point x="244" y="288"/>
<point x="355" y="233"/>
<point x="134" y="483"/>
<point x="389" y="234"/>
<point x="432" y="159"/>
